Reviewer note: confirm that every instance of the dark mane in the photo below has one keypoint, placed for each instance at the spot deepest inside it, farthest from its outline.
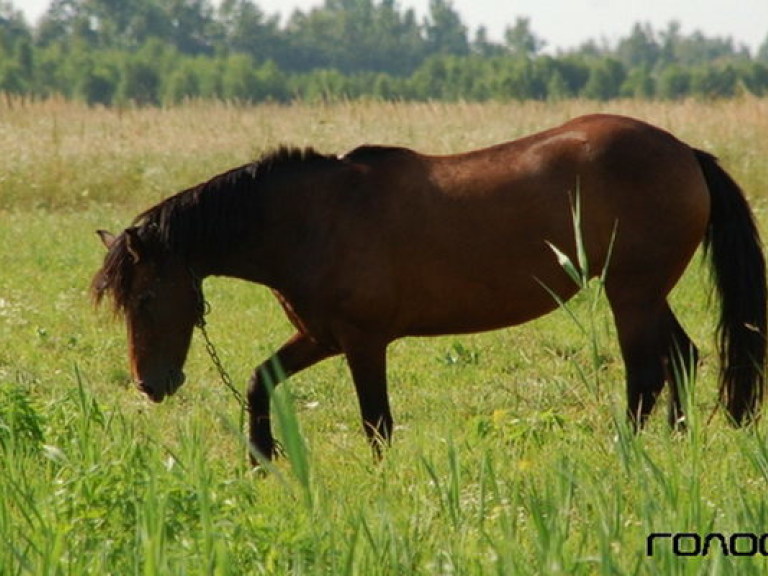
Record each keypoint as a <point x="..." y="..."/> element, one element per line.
<point x="218" y="211"/>
<point x="214" y="213"/>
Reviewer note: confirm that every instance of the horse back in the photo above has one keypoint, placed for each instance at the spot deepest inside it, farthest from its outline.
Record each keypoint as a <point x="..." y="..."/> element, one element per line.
<point x="463" y="243"/>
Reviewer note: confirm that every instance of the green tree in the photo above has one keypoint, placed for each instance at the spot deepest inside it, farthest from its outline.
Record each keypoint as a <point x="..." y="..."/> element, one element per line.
<point x="557" y="87"/>
<point x="12" y="79"/>
<point x="244" y="81"/>
<point x="325" y="85"/>
<point x="605" y="79"/>
<point x="669" y="40"/>
<point x="248" y="29"/>
<point x="20" y="58"/>
<point x="762" y="51"/>
<point x="354" y="35"/>
<point x="210" y="73"/>
<point x="524" y="79"/>
<point x="754" y="75"/>
<point x="639" y="83"/>
<point x="183" y="83"/>
<point x="61" y="22"/>
<point x="674" y="82"/>
<point x="13" y="28"/>
<point x="273" y="84"/>
<point x="521" y="41"/>
<point x="395" y="44"/>
<point x="710" y="81"/>
<point x="239" y="81"/>
<point x="128" y="24"/>
<point x="98" y="85"/>
<point x="445" y="31"/>
<point x="429" y="80"/>
<point x="139" y="83"/>
<point x="192" y="27"/>
<point x="698" y="49"/>
<point x="111" y="21"/>
<point x="483" y="46"/>
<point x="385" y="87"/>
<point x="98" y="88"/>
<point x="575" y="71"/>
<point x="640" y="49"/>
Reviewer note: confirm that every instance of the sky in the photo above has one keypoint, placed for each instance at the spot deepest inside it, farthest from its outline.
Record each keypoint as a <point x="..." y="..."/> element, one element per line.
<point x="568" y="23"/>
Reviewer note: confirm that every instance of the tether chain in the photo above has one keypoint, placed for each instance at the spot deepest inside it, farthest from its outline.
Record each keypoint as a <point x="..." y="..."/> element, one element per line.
<point x="205" y="309"/>
<point x="223" y="374"/>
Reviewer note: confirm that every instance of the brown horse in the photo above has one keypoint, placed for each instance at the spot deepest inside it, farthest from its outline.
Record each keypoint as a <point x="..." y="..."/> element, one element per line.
<point x="385" y="242"/>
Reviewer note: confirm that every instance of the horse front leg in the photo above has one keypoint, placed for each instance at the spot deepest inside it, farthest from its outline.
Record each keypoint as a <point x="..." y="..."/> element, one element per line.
<point x="295" y="355"/>
<point x="368" y="365"/>
<point x="642" y="339"/>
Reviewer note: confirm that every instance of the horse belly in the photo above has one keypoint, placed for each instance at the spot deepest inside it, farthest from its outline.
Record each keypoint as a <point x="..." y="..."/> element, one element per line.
<point x="475" y="302"/>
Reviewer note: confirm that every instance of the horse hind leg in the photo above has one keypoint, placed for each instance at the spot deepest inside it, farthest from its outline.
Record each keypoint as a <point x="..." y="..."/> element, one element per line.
<point x="656" y="349"/>
<point x="682" y="358"/>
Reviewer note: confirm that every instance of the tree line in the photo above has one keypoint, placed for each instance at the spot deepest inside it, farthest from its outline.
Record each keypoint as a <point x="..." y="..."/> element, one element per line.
<point x="161" y="52"/>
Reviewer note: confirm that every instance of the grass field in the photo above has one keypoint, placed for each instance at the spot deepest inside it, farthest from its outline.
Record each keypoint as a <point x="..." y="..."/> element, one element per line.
<point x="510" y="457"/>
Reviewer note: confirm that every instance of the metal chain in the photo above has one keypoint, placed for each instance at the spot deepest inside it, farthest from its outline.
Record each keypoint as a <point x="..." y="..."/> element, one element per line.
<point x="223" y="374"/>
<point x="205" y="309"/>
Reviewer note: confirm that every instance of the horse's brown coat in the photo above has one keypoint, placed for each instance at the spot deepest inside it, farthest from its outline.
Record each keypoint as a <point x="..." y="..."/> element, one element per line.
<point x="385" y="243"/>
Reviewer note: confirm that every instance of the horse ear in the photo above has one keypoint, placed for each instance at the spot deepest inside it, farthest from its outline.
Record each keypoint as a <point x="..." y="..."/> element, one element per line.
<point x="133" y="244"/>
<point x="107" y="238"/>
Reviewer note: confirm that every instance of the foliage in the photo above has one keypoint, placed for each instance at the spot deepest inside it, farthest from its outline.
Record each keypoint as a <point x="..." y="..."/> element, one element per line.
<point x="159" y="52"/>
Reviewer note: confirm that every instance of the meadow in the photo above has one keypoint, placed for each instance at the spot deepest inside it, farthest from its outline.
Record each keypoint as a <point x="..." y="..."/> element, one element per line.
<point x="511" y="455"/>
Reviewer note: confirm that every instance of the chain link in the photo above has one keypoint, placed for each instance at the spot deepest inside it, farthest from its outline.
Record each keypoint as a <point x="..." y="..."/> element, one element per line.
<point x="223" y="374"/>
<point x="205" y="309"/>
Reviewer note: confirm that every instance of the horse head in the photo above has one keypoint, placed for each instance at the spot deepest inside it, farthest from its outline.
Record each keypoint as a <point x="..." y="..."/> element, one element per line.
<point x="161" y="301"/>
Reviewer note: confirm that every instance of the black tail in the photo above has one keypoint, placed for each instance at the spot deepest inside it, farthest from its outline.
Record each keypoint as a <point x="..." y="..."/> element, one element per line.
<point x="734" y="246"/>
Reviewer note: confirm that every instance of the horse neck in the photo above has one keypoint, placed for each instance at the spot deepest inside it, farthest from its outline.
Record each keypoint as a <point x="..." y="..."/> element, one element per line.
<point x="239" y="260"/>
<point x="268" y="244"/>
<point x="248" y="256"/>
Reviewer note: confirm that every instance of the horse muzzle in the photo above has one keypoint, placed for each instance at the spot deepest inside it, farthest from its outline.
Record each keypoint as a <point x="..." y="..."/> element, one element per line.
<point x="158" y="388"/>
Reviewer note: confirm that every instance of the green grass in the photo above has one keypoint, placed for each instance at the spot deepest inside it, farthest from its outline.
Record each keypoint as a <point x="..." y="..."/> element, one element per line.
<point x="511" y="455"/>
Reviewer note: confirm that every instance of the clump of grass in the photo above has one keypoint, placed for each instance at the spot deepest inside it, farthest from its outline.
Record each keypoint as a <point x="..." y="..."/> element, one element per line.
<point x="461" y="355"/>
<point x="293" y="443"/>
<point x="579" y="272"/>
<point x="21" y="424"/>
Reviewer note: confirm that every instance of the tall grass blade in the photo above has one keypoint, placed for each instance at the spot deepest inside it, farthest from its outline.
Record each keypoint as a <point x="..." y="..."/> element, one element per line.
<point x="293" y="441"/>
